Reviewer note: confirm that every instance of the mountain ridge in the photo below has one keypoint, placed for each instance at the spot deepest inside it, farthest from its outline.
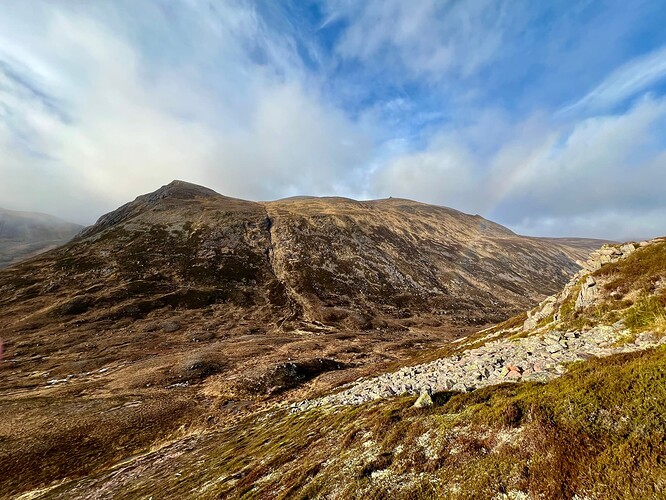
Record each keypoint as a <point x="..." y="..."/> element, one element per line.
<point x="26" y="234"/>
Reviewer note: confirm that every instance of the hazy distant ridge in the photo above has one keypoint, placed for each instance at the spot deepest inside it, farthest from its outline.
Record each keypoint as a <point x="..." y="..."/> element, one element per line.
<point x="26" y="234"/>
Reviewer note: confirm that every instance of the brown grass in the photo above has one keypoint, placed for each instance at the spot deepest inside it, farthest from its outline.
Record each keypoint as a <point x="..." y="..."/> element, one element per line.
<point x="597" y="431"/>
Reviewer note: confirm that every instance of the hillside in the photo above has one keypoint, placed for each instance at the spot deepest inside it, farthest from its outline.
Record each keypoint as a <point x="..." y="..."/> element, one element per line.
<point x="185" y="309"/>
<point x="595" y="431"/>
<point x="26" y="234"/>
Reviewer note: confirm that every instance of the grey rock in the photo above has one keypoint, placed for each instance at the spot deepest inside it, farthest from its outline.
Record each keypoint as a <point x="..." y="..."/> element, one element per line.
<point x="588" y="293"/>
<point x="170" y="326"/>
<point x="424" y="400"/>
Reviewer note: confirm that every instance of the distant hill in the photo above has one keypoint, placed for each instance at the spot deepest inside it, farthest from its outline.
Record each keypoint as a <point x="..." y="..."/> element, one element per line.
<point x="26" y="234"/>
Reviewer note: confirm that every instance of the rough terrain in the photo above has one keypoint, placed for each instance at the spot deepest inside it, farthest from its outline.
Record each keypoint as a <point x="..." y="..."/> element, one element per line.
<point x="594" y="432"/>
<point x="539" y="351"/>
<point x="185" y="311"/>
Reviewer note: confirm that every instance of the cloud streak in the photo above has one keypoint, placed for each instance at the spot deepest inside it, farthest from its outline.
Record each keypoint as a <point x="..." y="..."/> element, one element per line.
<point x="625" y="82"/>
<point x="429" y="39"/>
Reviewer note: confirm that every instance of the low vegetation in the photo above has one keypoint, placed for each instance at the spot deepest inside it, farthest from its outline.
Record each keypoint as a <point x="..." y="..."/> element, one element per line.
<point x="596" y="432"/>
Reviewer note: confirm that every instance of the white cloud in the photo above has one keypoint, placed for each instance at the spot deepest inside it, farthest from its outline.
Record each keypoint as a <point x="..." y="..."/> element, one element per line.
<point x="626" y="81"/>
<point x="430" y="39"/>
<point x="546" y="178"/>
<point x="256" y="131"/>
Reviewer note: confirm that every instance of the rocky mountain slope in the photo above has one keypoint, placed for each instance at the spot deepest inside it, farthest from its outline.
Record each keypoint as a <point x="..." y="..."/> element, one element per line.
<point x="320" y="261"/>
<point x="580" y="322"/>
<point x="185" y="309"/>
<point x="26" y="234"/>
<point x="593" y="430"/>
<point x="396" y="258"/>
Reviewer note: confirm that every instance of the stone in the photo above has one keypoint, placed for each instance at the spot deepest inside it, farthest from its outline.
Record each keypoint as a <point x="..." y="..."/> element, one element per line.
<point x="593" y="265"/>
<point x="424" y="400"/>
<point x="543" y="310"/>
<point x="588" y="293"/>
<point x="459" y="387"/>
<point x="170" y="327"/>
<point x="627" y="248"/>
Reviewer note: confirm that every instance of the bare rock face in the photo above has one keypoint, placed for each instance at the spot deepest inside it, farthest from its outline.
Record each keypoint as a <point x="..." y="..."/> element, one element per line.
<point x="588" y="293"/>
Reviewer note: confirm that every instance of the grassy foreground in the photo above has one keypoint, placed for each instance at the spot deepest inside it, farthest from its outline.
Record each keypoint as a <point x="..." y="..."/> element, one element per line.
<point x="597" y="432"/>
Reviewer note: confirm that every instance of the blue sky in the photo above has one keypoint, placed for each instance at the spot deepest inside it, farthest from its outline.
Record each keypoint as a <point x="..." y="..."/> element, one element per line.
<point x="548" y="117"/>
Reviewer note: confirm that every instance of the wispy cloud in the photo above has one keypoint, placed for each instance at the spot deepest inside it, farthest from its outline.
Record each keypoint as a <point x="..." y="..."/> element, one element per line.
<point x="625" y="82"/>
<point x="429" y="39"/>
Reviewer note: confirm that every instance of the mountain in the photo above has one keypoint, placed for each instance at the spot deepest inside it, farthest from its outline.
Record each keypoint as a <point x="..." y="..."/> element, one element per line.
<point x="26" y="234"/>
<point x="566" y="400"/>
<point x="187" y="309"/>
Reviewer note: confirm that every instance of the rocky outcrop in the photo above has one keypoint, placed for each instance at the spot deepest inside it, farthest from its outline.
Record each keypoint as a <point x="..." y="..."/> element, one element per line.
<point x="543" y="311"/>
<point x="588" y="290"/>
<point x="588" y="293"/>
<point x="605" y="255"/>
<point x="538" y="358"/>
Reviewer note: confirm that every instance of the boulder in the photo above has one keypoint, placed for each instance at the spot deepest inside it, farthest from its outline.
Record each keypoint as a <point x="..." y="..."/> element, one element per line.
<point x="424" y="400"/>
<point x="459" y="387"/>
<point x="627" y="248"/>
<point x="543" y="310"/>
